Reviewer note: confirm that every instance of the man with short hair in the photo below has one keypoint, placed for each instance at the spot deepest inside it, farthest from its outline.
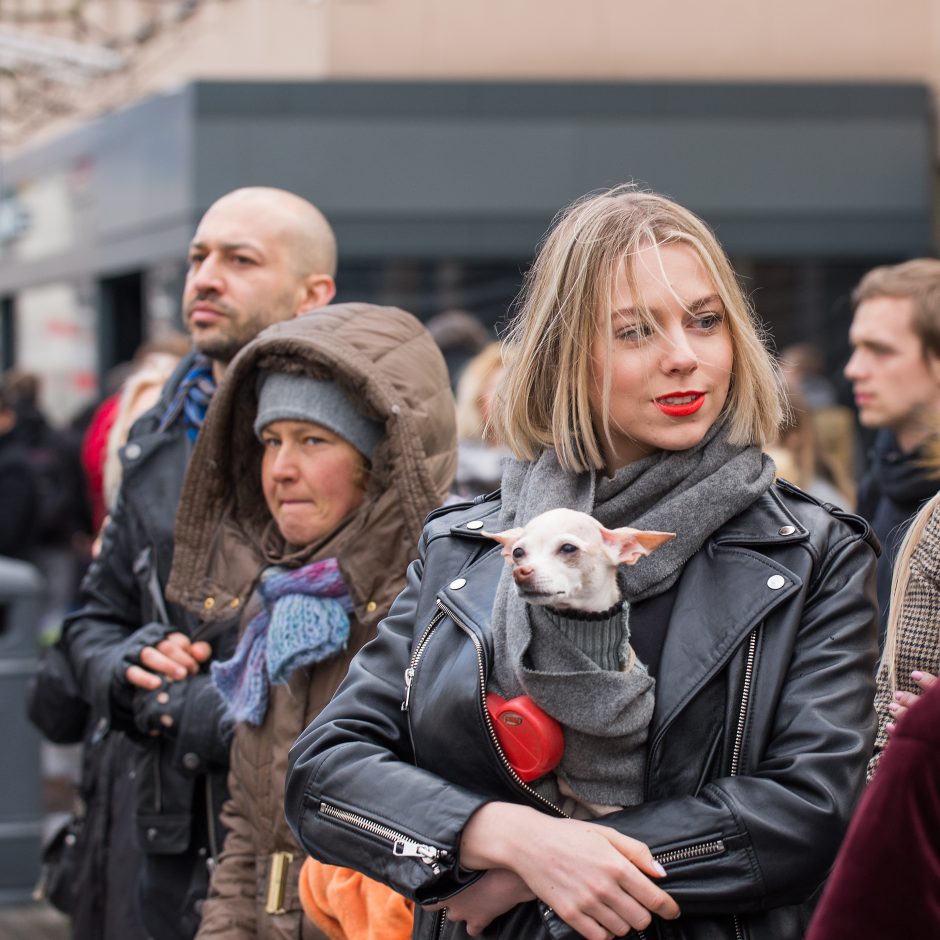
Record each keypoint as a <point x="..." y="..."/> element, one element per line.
<point x="258" y="256"/>
<point x="895" y="374"/>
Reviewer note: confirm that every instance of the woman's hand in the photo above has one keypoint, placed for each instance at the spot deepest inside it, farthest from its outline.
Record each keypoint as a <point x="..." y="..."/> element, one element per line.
<point x="498" y="891"/>
<point x="904" y="700"/>
<point x="595" y="878"/>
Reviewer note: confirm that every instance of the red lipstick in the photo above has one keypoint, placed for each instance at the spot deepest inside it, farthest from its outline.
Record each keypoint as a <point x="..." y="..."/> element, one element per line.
<point x="680" y="404"/>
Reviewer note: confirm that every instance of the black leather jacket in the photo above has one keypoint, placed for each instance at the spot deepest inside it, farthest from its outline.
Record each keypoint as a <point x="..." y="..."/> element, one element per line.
<point x="180" y="775"/>
<point x="757" y="748"/>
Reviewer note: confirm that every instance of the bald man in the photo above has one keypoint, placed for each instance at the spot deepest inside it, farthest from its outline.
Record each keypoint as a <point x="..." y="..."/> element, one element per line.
<point x="258" y="256"/>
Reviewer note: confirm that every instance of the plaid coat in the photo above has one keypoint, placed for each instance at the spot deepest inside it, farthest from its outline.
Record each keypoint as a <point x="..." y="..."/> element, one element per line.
<point x="918" y="644"/>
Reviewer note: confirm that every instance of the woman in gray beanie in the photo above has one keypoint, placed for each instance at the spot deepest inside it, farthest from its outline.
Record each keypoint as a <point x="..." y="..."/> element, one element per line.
<point x="330" y="439"/>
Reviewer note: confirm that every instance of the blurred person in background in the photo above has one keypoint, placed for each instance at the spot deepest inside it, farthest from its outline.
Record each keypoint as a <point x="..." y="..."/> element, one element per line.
<point x="99" y="446"/>
<point x="460" y="336"/>
<point x="63" y="518"/>
<point x="328" y="442"/>
<point x="479" y="455"/>
<point x="895" y="374"/>
<point x="259" y="255"/>
<point x="834" y="427"/>
<point x="19" y="504"/>
<point x="797" y="454"/>
<point x="805" y="363"/>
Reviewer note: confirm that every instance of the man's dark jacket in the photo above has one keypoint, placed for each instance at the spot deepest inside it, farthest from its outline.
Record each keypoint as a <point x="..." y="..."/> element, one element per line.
<point x="894" y="487"/>
<point x="762" y="728"/>
<point x="180" y="776"/>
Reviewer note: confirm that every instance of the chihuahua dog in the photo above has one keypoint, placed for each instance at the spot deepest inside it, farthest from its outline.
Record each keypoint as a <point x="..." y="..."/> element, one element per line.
<point x="568" y="561"/>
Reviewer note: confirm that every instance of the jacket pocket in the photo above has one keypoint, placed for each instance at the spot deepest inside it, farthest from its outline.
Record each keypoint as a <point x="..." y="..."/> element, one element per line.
<point x="163" y="817"/>
<point x="163" y="834"/>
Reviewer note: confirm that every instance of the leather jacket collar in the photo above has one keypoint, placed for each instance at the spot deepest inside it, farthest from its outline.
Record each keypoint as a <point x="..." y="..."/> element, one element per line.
<point x="711" y="616"/>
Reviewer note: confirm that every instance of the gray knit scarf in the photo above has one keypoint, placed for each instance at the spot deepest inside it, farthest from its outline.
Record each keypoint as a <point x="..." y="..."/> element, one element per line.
<point x="692" y="493"/>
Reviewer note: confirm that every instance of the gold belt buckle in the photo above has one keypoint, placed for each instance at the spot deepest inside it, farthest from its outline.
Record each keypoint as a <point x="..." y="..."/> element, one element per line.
<point x="277" y="882"/>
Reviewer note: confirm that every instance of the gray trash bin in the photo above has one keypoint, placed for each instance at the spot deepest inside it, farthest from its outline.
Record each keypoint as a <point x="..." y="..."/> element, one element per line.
<point x="20" y="782"/>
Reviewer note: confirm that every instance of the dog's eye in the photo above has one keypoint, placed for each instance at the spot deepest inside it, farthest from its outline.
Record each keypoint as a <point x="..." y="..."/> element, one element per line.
<point x="518" y="553"/>
<point x="568" y="548"/>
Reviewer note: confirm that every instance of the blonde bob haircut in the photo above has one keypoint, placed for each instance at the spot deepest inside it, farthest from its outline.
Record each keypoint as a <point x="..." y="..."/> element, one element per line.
<point x="565" y="303"/>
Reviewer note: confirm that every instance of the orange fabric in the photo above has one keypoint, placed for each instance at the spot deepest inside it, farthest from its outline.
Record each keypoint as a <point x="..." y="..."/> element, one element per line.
<point x="346" y="905"/>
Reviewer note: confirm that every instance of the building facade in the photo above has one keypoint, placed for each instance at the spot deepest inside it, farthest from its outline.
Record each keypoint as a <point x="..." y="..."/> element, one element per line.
<point x="441" y="139"/>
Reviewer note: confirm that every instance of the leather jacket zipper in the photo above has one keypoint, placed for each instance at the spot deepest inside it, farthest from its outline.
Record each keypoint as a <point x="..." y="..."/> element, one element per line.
<point x="687" y="853"/>
<point x="534" y="794"/>
<point x="402" y="845"/>
<point x="745" y="701"/>
<point x="699" y="850"/>
<point x="717" y="846"/>
<point x="739" y="733"/>
<point x="416" y="656"/>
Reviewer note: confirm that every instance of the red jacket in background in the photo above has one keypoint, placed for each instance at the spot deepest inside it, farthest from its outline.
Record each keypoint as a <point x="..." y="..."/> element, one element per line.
<point x="886" y="881"/>
<point x="94" y="453"/>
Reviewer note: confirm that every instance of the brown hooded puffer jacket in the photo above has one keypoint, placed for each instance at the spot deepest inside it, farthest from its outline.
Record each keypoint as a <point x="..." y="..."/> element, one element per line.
<point x="388" y="364"/>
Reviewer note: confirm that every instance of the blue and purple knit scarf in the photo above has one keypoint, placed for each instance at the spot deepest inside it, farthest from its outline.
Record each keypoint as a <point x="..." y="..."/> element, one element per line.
<point x="304" y="619"/>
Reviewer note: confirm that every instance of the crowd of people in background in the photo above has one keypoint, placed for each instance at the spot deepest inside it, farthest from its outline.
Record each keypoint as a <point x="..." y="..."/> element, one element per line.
<point x="297" y="490"/>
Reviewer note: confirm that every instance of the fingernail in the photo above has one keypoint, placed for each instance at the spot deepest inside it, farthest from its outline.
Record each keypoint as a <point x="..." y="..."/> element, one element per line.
<point x="898" y="695"/>
<point x="659" y="869"/>
<point x="916" y="675"/>
<point x="893" y="707"/>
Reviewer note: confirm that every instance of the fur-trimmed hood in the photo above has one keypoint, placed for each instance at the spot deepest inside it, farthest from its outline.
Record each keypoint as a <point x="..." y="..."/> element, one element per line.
<point x="387" y="363"/>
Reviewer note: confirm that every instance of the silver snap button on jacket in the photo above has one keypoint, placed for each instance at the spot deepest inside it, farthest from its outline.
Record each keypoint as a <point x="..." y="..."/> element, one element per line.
<point x="776" y="581"/>
<point x="457" y="584"/>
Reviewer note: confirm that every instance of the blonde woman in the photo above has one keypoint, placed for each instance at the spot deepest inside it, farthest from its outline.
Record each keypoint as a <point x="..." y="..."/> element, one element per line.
<point x="637" y="389"/>
<point x="479" y="452"/>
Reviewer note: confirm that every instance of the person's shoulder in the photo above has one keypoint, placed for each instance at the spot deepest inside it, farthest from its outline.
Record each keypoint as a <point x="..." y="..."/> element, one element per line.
<point x="823" y="520"/>
<point x="464" y="518"/>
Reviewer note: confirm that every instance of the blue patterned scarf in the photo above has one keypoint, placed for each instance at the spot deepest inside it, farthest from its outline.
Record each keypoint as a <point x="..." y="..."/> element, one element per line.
<point x="192" y="397"/>
<point x="304" y="619"/>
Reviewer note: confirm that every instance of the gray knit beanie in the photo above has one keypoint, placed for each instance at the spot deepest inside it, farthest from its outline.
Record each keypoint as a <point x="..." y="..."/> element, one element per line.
<point x="287" y="397"/>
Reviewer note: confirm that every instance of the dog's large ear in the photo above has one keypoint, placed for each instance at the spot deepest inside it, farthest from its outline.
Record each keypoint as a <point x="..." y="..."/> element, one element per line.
<point x="507" y="539"/>
<point x="632" y="544"/>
